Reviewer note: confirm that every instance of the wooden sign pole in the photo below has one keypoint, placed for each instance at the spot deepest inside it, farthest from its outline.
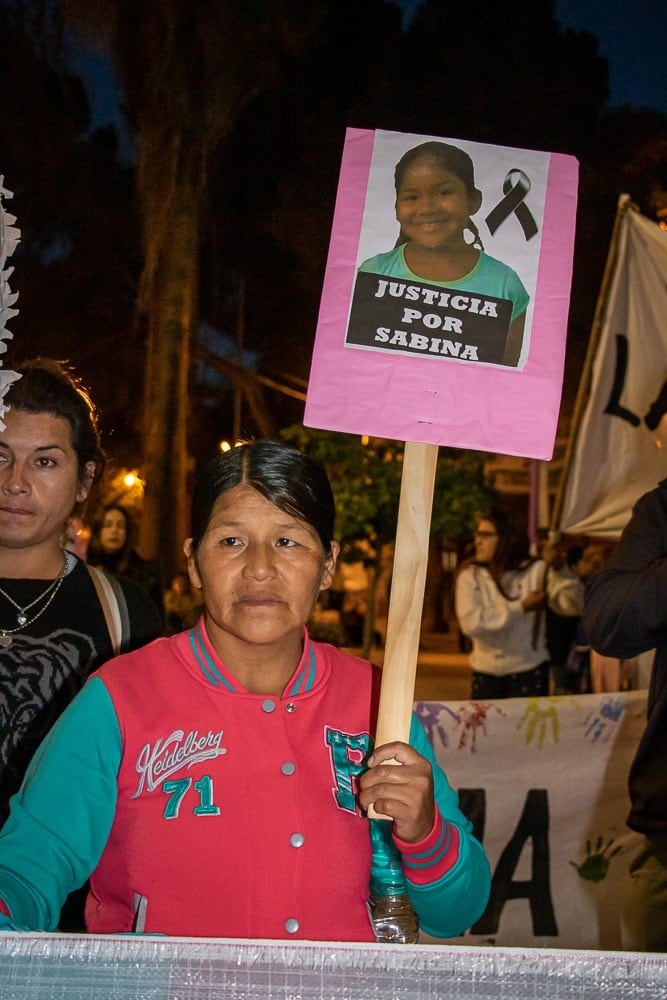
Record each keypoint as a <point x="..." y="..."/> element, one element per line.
<point x="407" y="594"/>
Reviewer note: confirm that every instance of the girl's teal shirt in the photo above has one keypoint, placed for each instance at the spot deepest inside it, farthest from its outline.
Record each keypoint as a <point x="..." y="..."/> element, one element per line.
<point x="488" y="277"/>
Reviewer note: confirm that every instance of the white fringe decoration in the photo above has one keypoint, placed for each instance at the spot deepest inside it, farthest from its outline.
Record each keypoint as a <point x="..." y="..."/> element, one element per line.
<point x="9" y="238"/>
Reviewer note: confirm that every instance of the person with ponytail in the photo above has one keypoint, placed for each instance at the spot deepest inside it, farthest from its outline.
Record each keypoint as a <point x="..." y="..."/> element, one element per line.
<point x="438" y="241"/>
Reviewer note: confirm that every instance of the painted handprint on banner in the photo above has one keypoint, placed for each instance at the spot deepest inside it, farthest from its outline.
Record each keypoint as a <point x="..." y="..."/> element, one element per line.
<point x="441" y="721"/>
<point x="601" y="724"/>
<point x="595" y="865"/>
<point x="430" y="715"/>
<point x="472" y="718"/>
<point x="538" y="719"/>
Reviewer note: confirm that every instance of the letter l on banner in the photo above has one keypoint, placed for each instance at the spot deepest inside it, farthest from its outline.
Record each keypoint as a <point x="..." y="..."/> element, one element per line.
<point x="620" y="447"/>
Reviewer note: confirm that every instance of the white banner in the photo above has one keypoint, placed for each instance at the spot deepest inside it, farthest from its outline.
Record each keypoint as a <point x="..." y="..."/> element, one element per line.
<point x="544" y="781"/>
<point x="618" y="453"/>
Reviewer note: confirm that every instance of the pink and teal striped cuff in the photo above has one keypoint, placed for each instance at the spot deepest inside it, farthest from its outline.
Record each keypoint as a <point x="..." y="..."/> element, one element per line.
<point x="433" y="856"/>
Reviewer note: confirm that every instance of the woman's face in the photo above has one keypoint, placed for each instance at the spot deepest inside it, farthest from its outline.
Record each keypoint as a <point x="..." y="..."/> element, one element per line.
<point x="113" y="532"/>
<point x="260" y="570"/>
<point x="40" y="480"/>
<point x="433" y="205"/>
<point x="486" y="541"/>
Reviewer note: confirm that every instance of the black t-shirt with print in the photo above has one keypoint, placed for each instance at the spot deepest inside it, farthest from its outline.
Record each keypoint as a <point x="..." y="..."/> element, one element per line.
<point x="47" y="663"/>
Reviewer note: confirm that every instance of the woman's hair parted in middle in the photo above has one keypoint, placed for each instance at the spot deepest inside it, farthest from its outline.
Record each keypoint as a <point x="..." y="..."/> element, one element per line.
<point x="290" y="480"/>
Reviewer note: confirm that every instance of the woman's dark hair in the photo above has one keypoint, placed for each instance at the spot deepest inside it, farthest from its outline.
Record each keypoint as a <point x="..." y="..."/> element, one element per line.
<point x="116" y="562"/>
<point x="286" y="477"/>
<point x="456" y="160"/>
<point x="48" y="386"/>
<point x="513" y="549"/>
<point x="98" y="524"/>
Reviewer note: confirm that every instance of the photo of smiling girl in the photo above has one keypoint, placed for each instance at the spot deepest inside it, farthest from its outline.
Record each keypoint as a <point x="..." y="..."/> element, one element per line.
<point x="438" y="241"/>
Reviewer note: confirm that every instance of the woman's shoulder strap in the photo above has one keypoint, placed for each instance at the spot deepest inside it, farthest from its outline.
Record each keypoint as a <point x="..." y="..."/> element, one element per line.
<point x="114" y="607"/>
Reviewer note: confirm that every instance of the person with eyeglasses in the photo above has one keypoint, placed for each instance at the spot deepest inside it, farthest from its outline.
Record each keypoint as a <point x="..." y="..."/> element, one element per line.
<point x="501" y="595"/>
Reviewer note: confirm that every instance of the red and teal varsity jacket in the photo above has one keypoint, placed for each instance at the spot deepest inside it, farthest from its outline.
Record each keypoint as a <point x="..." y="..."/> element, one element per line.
<point x="200" y="809"/>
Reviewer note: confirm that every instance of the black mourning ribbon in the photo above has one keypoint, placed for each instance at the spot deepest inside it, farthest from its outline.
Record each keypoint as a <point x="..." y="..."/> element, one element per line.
<point x="515" y="188"/>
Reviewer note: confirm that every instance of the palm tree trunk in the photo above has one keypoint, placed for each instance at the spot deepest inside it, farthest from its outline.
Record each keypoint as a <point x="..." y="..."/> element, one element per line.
<point x="168" y="305"/>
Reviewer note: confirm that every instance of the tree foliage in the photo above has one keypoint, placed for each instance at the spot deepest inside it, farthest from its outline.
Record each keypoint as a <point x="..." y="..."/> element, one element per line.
<point x="365" y="476"/>
<point x="187" y="72"/>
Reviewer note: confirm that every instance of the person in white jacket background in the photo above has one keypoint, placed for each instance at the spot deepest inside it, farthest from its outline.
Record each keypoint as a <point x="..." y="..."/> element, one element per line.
<point x="501" y="596"/>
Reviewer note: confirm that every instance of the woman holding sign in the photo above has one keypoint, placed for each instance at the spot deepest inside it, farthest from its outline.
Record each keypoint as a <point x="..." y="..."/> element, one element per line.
<point x="436" y="198"/>
<point x="215" y="782"/>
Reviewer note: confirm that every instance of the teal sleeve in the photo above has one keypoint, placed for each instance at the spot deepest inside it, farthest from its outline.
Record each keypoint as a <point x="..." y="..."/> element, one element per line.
<point x="370" y="265"/>
<point x="517" y="294"/>
<point x="61" y="816"/>
<point x="449" y="906"/>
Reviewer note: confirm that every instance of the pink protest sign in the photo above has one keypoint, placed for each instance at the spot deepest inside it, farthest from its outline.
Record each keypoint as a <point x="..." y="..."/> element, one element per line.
<point x="444" y="307"/>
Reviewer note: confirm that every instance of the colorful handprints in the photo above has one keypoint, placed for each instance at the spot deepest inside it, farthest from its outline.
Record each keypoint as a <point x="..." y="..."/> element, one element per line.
<point x="595" y="865"/>
<point x="602" y="723"/>
<point x="442" y="721"/>
<point x="538" y="719"/>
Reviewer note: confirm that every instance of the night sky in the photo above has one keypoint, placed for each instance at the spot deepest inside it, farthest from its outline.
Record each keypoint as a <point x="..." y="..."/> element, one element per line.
<point x="631" y="35"/>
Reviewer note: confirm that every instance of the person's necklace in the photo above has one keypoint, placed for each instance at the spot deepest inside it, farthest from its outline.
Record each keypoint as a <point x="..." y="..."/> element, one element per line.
<point x="22" y="617"/>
